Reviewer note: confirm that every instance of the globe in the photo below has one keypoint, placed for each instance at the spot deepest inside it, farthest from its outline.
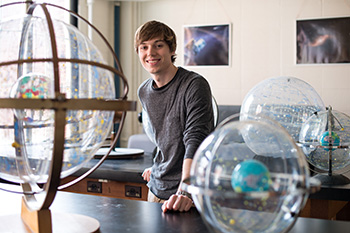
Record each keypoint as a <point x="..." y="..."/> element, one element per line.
<point x="147" y="126"/>
<point x="287" y="100"/>
<point x="250" y="176"/>
<point x="57" y="105"/>
<point x="238" y="190"/>
<point x="329" y="139"/>
<point x="325" y="140"/>
<point x="33" y="86"/>
<point x="28" y="134"/>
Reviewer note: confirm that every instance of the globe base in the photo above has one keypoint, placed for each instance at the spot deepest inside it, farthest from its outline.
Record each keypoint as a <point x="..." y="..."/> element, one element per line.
<point x="334" y="179"/>
<point x="43" y="221"/>
<point x="37" y="221"/>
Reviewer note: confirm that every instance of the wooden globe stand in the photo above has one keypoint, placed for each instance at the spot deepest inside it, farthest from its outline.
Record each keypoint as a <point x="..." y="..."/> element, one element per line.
<point x="45" y="221"/>
<point x="37" y="221"/>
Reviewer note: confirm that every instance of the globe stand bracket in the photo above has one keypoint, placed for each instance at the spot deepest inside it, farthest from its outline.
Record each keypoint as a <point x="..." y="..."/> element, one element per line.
<point x="38" y="221"/>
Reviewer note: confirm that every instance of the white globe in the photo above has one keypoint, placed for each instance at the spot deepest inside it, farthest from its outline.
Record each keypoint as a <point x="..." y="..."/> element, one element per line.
<point x="287" y="100"/>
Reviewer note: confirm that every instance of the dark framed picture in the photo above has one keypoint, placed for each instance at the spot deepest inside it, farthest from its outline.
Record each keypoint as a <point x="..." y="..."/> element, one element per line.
<point x="207" y="45"/>
<point x="321" y="41"/>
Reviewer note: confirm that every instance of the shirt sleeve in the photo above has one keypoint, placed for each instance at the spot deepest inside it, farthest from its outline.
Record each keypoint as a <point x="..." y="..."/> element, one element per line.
<point x="199" y="115"/>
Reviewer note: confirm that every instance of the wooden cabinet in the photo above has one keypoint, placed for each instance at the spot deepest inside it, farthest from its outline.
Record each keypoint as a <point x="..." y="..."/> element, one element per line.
<point x="109" y="188"/>
<point x="326" y="209"/>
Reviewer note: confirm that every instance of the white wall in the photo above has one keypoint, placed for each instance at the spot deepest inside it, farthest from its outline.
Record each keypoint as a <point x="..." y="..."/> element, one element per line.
<point x="263" y="45"/>
<point x="102" y="17"/>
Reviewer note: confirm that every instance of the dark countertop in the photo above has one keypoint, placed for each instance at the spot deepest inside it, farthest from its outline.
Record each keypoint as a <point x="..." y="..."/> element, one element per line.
<point x="130" y="170"/>
<point x="118" y="215"/>
<point x="333" y="192"/>
<point x="124" y="170"/>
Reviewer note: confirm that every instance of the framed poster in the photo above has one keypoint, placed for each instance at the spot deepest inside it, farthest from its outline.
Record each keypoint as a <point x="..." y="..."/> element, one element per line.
<point x="207" y="45"/>
<point x="322" y="41"/>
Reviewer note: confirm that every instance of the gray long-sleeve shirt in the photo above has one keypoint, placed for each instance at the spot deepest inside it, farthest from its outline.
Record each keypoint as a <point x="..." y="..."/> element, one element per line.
<point x="181" y="117"/>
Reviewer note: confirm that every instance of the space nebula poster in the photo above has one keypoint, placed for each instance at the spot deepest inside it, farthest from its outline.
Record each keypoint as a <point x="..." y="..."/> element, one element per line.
<point x="207" y="45"/>
<point x="321" y="41"/>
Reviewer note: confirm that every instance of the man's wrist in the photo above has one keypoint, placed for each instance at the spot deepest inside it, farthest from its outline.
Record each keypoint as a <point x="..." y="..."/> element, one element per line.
<point x="184" y="193"/>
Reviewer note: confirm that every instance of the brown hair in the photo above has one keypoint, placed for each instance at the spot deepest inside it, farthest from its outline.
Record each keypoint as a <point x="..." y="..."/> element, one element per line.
<point x="153" y="29"/>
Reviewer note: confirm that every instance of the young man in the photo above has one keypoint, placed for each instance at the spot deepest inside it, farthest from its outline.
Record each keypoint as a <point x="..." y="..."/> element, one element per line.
<point x="178" y="104"/>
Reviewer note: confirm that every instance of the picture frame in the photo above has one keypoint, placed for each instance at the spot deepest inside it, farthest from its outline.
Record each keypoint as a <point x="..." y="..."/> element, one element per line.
<point x="323" y="40"/>
<point x="207" y="45"/>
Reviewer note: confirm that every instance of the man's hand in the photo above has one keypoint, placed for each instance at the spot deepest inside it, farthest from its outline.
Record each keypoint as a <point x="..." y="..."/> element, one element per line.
<point x="177" y="203"/>
<point x="147" y="174"/>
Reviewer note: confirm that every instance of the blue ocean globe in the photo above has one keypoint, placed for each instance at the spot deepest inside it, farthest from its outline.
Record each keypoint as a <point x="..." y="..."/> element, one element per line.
<point x="329" y="139"/>
<point x="250" y="176"/>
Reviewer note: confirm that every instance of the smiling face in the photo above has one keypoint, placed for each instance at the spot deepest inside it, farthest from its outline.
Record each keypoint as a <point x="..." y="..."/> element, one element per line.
<point x="156" y="57"/>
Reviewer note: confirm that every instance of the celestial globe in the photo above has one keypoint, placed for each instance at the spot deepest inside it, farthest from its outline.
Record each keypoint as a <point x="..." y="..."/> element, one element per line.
<point x="57" y="105"/>
<point x="238" y="190"/>
<point x="147" y="127"/>
<point x="287" y="100"/>
<point x="325" y="140"/>
<point x="28" y="133"/>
